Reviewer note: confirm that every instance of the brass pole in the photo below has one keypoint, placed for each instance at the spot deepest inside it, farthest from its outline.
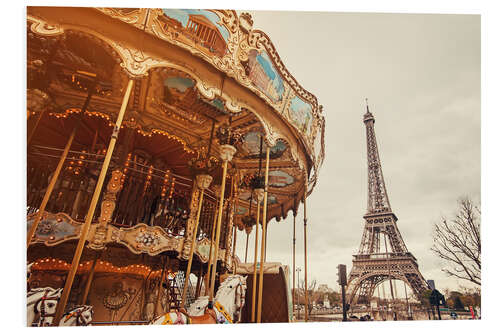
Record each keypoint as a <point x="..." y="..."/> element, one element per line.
<point x="246" y="250"/>
<point x="88" y="283"/>
<point x="209" y="266"/>
<point x="217" y="234"/>
<point x="293" y="259"/>
<point x="35" y="126"/>
<point x="254" y="288"/>
<point x="158" y="294"/>
<point x="55" y="176"/>
<point x="191" y="250"/>
<point x="234" y="249"/>
<point x="263" y="244"/>
<point x="90" y="214"/>
<point x="198" y="282"/>
<point x="306" y="317"/>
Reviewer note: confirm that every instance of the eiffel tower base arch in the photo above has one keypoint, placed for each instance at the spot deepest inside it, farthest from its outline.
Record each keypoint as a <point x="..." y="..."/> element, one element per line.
<point x="367" y="274"/>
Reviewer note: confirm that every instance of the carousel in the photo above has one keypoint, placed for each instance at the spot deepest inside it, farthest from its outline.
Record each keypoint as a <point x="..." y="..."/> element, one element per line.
<point x="156" y="137"/>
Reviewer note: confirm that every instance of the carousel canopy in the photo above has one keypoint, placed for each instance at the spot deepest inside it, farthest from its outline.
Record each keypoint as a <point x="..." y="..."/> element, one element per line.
<point x="194" y="70"/>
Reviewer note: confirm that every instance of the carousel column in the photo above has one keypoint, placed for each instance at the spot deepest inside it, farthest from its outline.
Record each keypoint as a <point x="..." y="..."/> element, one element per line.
<point x="210" y="255"/>
<point x="229" y="238"/>
<point x="226" y="154"/>
<point x="306" y="316"/>
<point x="234" y="247"/>
<point x="259" y="193"/>
<point x="248" y="230"/>
<point x="293" y="257"/>
<point x="90" y="214"/>
<point x="202" y="183"/>
<point x="263" y="244"/>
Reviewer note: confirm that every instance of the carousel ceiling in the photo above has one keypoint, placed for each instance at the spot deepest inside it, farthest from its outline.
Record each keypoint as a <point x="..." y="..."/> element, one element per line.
<point x="172" y="109"/>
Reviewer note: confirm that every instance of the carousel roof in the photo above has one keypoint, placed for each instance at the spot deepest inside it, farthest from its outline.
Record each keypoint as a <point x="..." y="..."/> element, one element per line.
<point x="193" y="69"/>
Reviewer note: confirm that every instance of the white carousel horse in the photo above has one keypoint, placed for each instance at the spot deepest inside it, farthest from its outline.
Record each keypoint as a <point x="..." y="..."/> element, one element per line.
<point x="28" y="270"/>
<point x="81" y="315"/>
<point x="42" y="304"/>
<point x="197" y="308"/>
<point x="229" y="301"/>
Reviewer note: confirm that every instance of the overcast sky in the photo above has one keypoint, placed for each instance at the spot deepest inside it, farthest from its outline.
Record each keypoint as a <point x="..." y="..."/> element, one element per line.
<point x="421" y="75"/>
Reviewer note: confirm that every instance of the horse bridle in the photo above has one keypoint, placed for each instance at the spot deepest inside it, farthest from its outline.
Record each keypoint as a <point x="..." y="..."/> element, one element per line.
<point x="41" y="301"/>
<point x="78" y="314"/>
<point x="242" y="300"/>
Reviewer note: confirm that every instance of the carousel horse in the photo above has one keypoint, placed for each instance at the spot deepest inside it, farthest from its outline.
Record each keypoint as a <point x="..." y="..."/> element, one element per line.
<point x="228" y="303"/>
<point x="42" y="304"/>
<point x="80" y="315"/>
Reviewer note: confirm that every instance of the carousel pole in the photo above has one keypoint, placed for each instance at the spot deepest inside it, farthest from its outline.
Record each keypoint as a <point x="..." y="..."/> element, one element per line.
<point x="35" y="126"/>
<point x="247" y="230"/>
<point x="263" y="244"/>
<point x="227" y="153"/>
<point x="158" y="293"/>
<point x="202" y="182"/>
<point x="306" y="317"/>
<point x="246" y="248"/>
<point x="234" y="248"/>
<point x="198" y="282"/>
<point x="254" y="288"/>
<point x="89" y="279"/>
<point x="55" y="176"/>
<point x="209" y="266"/>
<point x="293" y="256"/>
<point x="90" y="214"/>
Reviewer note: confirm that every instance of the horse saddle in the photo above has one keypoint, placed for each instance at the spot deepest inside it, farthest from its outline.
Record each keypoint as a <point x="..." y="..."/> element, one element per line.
<point x="209" y="317"/>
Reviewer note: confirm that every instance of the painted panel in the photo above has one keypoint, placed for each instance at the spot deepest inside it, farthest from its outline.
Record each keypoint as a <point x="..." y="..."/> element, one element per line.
<point x="180" y="84"/>
<point x="278" y="178"/>
<point x="245" y="196"/>
<point x="199" y="28"/>
<point x="264" y="76"/>
<point x="251" y="147"/>
<point x="301" y="115"/>
<point x="241" y="210"/>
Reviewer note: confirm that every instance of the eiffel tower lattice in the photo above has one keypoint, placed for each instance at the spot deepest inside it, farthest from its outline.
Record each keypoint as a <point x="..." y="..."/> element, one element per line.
<point x="382" y="253"/>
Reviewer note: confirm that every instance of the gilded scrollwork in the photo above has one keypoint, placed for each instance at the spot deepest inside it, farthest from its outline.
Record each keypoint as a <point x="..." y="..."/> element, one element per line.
<point x="42" y="27"/>
<point x="145" y="239"/>
<point x="135" y="16"/>
<point x="136" y="62"/>
<point x="193" y="211"/>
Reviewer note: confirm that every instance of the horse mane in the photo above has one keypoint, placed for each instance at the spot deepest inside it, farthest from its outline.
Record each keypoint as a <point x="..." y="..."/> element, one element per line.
<point x="38" y="290"/>
<point x="225" y="283"/>
<point x="75" y="307"/>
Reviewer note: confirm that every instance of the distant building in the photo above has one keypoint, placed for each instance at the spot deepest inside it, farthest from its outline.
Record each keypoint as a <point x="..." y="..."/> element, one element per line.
<point x="323" y="288"/>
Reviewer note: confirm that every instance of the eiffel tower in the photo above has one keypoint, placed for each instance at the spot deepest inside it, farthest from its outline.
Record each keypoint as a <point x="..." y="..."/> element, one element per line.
<point x="373" y="264"/>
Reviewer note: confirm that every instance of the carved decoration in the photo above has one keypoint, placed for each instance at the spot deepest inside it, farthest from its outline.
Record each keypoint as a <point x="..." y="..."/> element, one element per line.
<point x="107" y="208"/>
<point x="41" y="27"/>
<point x="227" y="152"/>
<point x="202" y="249"/>
<point x="193" y="211"/>
<point x="54" y="229"/>
<point x="144" y="239"/>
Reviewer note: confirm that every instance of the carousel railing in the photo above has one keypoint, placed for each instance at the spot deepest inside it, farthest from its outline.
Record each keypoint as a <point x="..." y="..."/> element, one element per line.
<point x="147" y="195"/>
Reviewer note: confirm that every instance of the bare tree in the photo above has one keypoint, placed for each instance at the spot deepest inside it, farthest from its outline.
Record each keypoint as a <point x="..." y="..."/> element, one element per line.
<point x="458" y="242"/>
<point x="310" y="291"/>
